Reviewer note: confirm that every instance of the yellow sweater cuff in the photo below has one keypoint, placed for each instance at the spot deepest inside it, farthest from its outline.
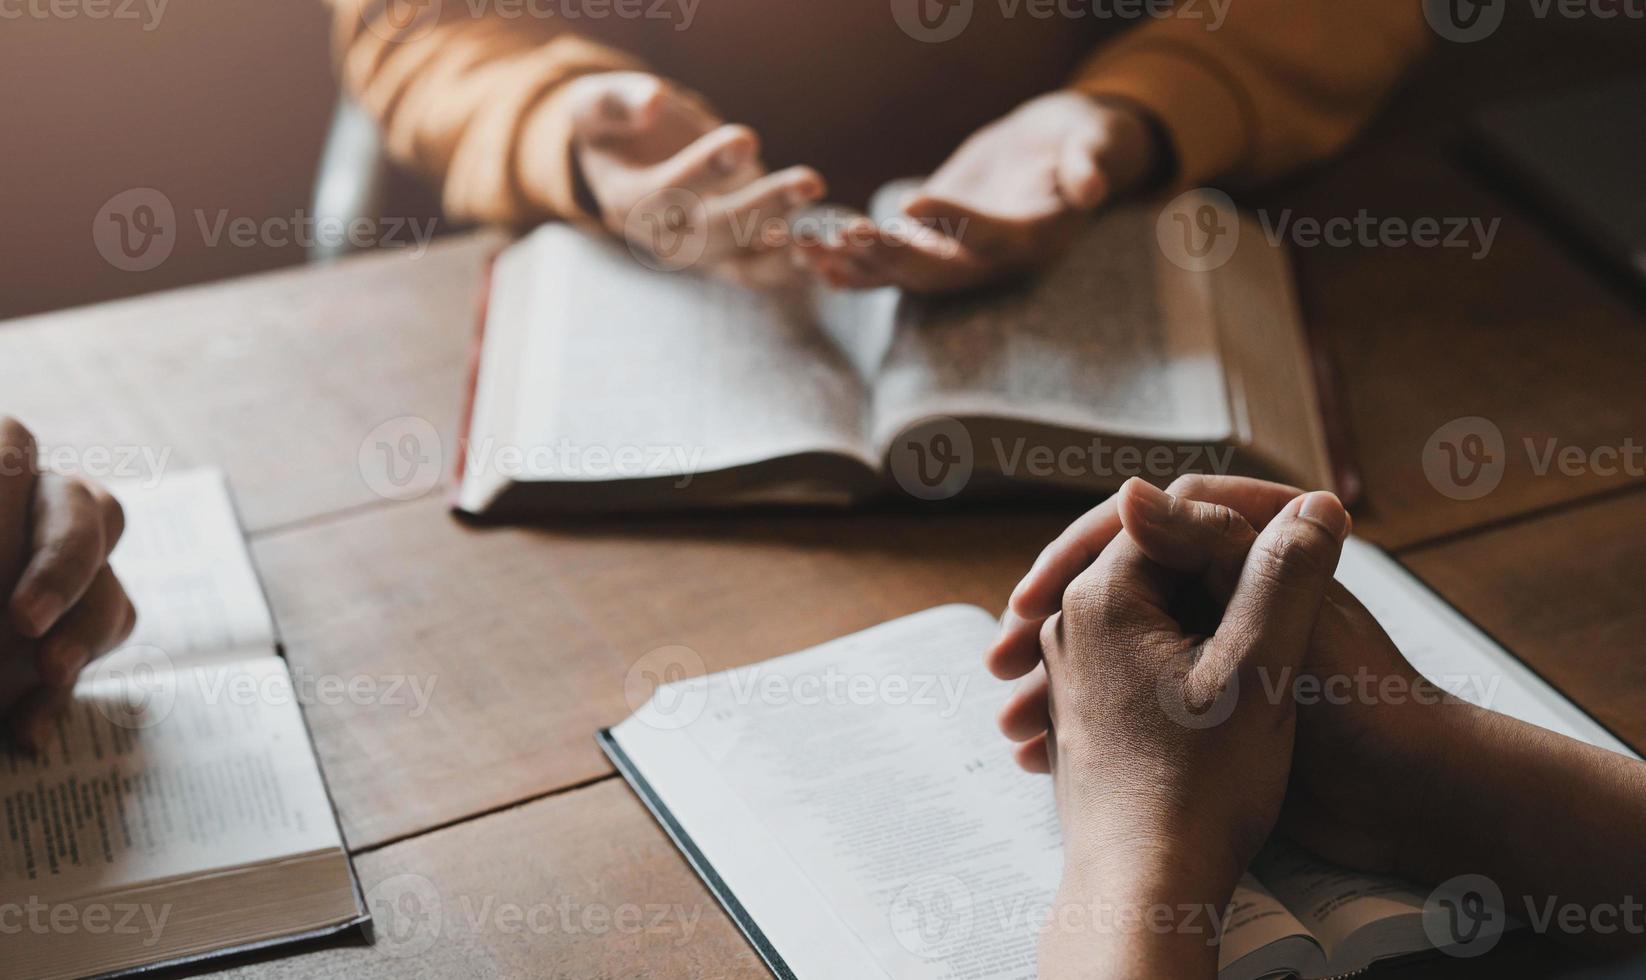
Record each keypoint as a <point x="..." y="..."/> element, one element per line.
<point x="546" y="161"/>
<point x="531" y="136"/>
<point x="1208" y="118"/>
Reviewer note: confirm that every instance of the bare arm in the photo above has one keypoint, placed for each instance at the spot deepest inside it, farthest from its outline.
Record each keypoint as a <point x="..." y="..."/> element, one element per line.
<point x="1556" y="824"/>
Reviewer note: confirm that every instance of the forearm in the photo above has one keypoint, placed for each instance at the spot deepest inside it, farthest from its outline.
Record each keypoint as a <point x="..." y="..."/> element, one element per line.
<point x="1556" y="824"/>
<point x="1128" y="909"/>
<point x="472" y="102"/>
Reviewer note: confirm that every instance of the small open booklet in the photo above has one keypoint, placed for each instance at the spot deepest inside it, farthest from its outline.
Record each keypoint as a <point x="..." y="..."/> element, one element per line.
<point x="602" y="384"/>
<point x="857" y="813"/>
<point x="179" y="811"/>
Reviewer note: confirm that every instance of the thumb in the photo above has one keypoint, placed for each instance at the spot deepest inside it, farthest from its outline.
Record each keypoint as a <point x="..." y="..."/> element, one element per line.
<point x="1080" y="178"/>
<point x="616" y="105"/>
<point x="1279" y="592"/>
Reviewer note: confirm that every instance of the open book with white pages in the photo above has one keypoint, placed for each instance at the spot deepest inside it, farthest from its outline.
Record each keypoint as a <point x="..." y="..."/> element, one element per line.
<point x="179" y="811"/>
<point x="891" y="835"/>
<point x="601" y="384"/>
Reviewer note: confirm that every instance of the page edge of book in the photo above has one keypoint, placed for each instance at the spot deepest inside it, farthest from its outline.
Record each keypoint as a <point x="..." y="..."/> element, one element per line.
<point x="606" y="738"/>
<point x="456" y="499"/>
<point x="306" y="936"/>
<point x="276" y="649"/>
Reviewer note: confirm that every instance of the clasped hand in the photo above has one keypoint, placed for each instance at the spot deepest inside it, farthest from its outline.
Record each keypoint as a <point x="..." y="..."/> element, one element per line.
<point x="1159" y="640"/>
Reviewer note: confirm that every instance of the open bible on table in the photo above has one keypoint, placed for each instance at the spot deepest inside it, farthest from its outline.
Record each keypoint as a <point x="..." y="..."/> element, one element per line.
<point x="179" y="812"/>
<point x="857" y="813"/>
<point x="601" y="384"/>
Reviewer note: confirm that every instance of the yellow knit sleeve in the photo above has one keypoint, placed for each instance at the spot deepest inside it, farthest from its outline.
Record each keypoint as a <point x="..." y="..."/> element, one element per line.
<point x="1250" y="89"/>
<point x="472" y="101"/>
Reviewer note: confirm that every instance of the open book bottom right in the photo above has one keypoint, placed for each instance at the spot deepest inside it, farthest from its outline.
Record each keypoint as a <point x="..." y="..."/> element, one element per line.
<point x="854" y="809"/>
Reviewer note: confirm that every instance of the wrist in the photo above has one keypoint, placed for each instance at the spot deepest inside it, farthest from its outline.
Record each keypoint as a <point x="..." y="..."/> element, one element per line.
<point x="1122" y="833"/>
<point x="549" y="171"/>
<point x="1183" y="866"/>
<point x="1144" y="913"/>
<point x="1146" y="160"/>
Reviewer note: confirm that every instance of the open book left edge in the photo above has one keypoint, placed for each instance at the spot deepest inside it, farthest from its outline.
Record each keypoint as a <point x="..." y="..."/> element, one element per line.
<point x="184" y="533"/>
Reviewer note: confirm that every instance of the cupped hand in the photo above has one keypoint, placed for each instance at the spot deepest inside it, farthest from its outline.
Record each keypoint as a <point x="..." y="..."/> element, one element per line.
<point x="1366" y="727"/>
<point x="65" y="607"/>
<point x="683" y="187"/>
<point x="1005" y="202"/>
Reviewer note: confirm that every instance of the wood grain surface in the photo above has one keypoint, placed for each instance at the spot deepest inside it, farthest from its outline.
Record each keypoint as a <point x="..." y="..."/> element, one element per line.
<point x="279" y="379"/>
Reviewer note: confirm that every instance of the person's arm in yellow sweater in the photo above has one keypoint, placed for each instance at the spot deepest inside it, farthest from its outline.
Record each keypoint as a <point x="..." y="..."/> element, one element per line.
<point x="507" y="113"/>
<point x="465" y="99"/>
<point x="1237" y="93"/>
<point x="523" y="122"/>
<point x="1276" y="85"/>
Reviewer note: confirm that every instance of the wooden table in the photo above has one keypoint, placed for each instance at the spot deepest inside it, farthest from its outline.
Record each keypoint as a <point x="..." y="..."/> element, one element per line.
<point x="497" y="795"/>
